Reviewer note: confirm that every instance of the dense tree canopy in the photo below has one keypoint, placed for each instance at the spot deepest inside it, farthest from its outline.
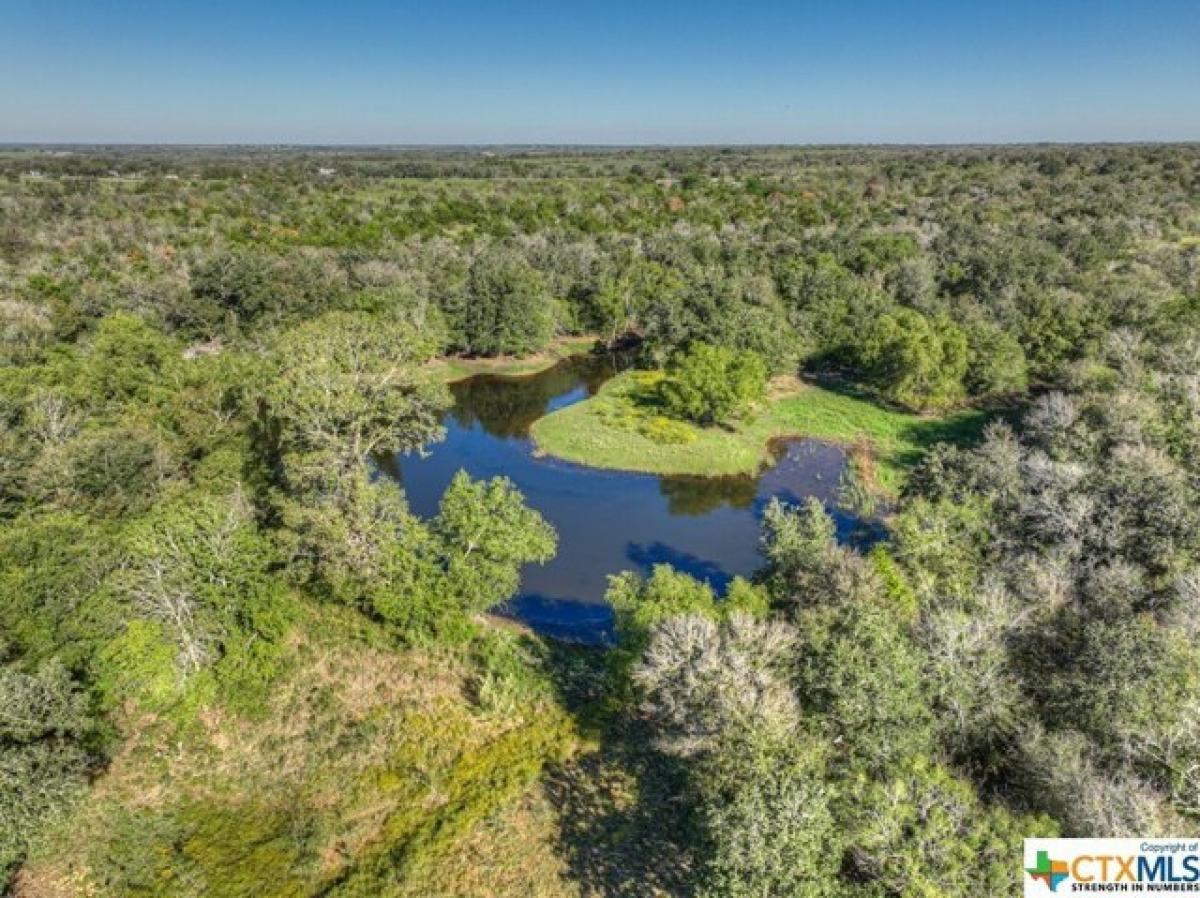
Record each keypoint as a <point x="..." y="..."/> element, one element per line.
<point x="234" y="661"/>
<point x="505" y="308"/>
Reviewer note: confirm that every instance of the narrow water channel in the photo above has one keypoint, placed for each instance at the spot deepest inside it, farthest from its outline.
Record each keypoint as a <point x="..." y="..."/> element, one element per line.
<point x="607" y="521"/>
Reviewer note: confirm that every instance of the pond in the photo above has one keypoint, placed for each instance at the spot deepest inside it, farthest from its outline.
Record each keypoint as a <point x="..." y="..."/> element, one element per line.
<point x="608" y="521"/>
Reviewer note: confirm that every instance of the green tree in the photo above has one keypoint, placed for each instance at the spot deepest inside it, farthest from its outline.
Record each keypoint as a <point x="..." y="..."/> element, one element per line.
<point x="487" y="533"/>
<point x="711" y="384"/>
<point x="1056" y="330"/>
<point x="199" y="569"/>
<point x="765" y="816"/>
<point x="507" y="308"/>
<point x="924" y="831"/>
<point x="369" y="550"/>
<point x="233" y="289"/>
<point x="128" y="360"/>
<point x="350" y="384"/>
<point x="997" y="362"/>
<point x="50" y="565"/>
<point x="878" y="721"/>
<point x="619" y="303"/>
<point x="915" y="361"/>
<point x="826" y="305"/>
<point x="235" y="292"/>
<point x="639" y="604"/>
<point x="111" y="471"/>
<point x="805" y="566"/>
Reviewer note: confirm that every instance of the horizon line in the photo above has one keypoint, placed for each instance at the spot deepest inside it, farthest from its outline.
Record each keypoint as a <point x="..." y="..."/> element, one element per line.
<point x="430" y="145"/>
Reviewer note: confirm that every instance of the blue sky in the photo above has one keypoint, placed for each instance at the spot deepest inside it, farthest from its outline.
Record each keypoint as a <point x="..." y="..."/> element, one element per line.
<point x="455" y="71"/>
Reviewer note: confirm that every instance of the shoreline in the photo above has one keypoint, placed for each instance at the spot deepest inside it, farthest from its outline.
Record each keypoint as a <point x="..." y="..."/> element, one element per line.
<point x="608" y="431"/>
<point x="451" y="369"/>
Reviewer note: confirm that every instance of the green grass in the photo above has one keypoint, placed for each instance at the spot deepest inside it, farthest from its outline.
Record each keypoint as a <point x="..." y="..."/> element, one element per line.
<point x="373" y="772"/>
<point x="452" y="368"/>
<point x="621" y="427"/>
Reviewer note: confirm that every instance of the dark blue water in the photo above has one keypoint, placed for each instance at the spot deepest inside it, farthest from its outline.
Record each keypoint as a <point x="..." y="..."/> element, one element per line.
<point x="607" y="521"/>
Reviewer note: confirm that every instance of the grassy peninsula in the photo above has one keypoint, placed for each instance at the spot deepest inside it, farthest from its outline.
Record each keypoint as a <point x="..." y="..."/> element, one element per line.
<point x="622" y="427"/>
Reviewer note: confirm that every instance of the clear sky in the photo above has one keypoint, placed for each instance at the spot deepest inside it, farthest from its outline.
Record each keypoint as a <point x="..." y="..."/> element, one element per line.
<point x="622" y="71"/>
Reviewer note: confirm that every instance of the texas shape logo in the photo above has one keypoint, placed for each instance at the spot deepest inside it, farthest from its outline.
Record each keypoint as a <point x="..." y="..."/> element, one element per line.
<point x="1050" y="872"/>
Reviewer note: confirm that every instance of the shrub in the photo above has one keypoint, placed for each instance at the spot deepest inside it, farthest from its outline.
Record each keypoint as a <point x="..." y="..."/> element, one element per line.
<point x="43" y="762"/>
<point x="110" y="471"/>
<point x="667" y="432"/>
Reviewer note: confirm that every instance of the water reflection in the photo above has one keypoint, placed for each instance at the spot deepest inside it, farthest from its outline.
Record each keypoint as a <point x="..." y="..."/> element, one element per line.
<point x="698" y="496"/>
<point x="644" y="556"/>
<point x="506" y="407"/>
<point x="607" y="521"/>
